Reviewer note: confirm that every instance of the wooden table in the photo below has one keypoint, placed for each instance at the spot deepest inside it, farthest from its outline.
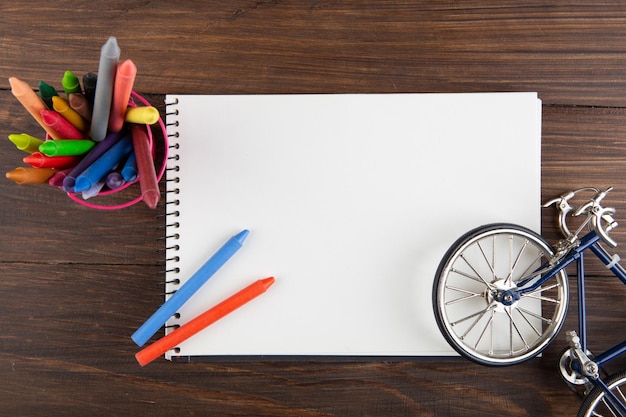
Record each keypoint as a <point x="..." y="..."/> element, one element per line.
<point x="77" y="282"/>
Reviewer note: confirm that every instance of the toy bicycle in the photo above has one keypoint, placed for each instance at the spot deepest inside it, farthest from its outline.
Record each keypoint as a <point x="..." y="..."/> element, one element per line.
<point x="501" y="293"/>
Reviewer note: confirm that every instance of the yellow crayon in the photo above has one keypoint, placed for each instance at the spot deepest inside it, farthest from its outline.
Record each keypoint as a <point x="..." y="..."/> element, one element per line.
<point x="23" y="175"/>
<point x="25" y="142"/>
<point x="63" y="108"/>
<point x="31" y="102"/>
<point x="147" y="115"/>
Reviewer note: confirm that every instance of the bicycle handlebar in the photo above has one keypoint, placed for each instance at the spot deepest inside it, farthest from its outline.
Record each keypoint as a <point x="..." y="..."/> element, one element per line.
<point x="595" y="213"/>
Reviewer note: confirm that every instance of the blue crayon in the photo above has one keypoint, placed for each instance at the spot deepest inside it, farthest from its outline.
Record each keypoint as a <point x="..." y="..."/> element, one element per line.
<point x="109" y="58"/>
<point x="176" y="301"/>
<point x="103" y="165"/>
<point x="90" y="158"/>
<point x="129" y="170"/>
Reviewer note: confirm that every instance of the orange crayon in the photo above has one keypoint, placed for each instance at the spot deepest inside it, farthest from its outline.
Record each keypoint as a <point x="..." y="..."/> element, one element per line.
<point x="28" y="175"/>
<point x="205" y="319"/>
<point x="31" y="102"/>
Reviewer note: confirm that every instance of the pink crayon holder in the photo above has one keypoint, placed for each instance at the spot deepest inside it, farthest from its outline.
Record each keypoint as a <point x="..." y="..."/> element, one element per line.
<point x="132" y="199"/>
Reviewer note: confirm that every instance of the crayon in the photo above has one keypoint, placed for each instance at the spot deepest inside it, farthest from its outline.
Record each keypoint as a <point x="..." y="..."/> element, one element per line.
<point x="129" y="169"/>
<point x="204" y="320"/>
<point x="57" y="179"/>
<point x="189" y="288"/>
<point x="28" y="175"/>
<point x="25" y="142"/>
<point x="148" y="182"/>
<point x="89" y="85"/>
<point x="146" y="115"/>
<point x="70" y="84"/>
<point x="93" y="190"/>
<point x="79" y="103"/>
<point x="64" y="129"/>
<point x="39" y="160"/>
<point x="61" y="106"/>
<point x="64" y="147"/>
<point x="103" y="165"/>
<point x="46" y="92"/>
<point x="124" y="80"/>
<point x="31" y="102"/>
<point x="109" y="57"/>
<point x="99" y="149"/>
<point x="114" y="180"/>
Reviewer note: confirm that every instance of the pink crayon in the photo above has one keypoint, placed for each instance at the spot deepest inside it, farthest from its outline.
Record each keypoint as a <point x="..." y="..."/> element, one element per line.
<point x="64" y="129"/>
<point x="58" y="177"/>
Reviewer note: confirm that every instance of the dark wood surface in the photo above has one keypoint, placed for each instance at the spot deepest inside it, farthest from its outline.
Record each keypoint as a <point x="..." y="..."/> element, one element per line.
<point x="76" y="282"/>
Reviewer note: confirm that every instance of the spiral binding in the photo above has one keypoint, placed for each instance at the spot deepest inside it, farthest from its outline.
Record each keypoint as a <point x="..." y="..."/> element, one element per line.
<point x="172" y="189"/>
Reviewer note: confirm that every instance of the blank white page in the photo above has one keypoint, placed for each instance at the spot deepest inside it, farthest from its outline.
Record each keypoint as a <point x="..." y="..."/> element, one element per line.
<point x="351" y="201"/>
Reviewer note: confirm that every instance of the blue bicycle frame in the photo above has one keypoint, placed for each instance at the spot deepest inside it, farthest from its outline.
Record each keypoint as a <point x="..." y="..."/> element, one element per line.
<point x="589" y="241"/>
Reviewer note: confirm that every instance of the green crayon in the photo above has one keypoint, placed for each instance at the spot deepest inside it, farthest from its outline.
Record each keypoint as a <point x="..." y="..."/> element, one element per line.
<point x="46" y="91"/>
<point x="70" y="147"/>
<point x="71" y="84"/>
<point x="25" y="142"/>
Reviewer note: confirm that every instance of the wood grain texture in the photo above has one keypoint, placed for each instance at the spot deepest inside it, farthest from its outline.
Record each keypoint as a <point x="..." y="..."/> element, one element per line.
<point x="77" y="282"/>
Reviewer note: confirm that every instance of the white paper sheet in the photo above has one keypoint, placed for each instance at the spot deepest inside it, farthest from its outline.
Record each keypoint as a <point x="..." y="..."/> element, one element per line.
<point x="351" y="202"/>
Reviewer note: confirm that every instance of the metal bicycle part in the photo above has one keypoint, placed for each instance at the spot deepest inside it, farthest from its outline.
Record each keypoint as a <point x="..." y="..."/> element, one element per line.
<point x="569" y="375"/>
<point x="471" y="296"/>
<point x="596" y="404"/>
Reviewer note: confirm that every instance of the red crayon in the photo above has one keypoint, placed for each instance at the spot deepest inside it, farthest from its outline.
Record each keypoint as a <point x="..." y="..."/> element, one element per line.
<point x="205" y="319"/>
<point x="61" y="126"/>
<point x="39" y="160"/>
<point x="147" y="175"/>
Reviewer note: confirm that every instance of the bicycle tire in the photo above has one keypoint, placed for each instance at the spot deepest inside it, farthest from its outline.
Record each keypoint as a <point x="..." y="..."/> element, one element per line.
<point x="594" y="404"/>
<point x="473" y="322"/>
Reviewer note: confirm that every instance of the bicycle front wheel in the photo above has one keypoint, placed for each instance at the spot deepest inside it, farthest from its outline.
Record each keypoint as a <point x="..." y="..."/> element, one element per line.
<point x="479" y="265"/>
<point x="596" y="402"/>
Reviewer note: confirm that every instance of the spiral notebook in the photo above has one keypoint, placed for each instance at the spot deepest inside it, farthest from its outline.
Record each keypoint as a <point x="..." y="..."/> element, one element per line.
<point x="351" y="201"/>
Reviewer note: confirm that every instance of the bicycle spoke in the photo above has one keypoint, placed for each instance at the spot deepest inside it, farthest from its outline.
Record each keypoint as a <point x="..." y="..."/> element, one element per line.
<point x="489" y="264"/>
<point x="528" y="270"/>
<point x="478" y="275"/>
<point x="467" y="297"/>
<point x="466" y="275"/>
<point x="532" y="294"/>
<point x="480" y="316"/>
<point x="471" y="316"/>
<point x="521" y="312"/>
<point x="514" y="326"/>
<point x="513" y="265"/>
<point x="537" y="316"/>
<point x="608" y="407"/>
<point x="489" y="325"/>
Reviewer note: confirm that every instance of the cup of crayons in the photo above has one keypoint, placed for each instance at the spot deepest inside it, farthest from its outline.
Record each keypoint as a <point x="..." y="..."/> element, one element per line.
<point x="97" y="139"/>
